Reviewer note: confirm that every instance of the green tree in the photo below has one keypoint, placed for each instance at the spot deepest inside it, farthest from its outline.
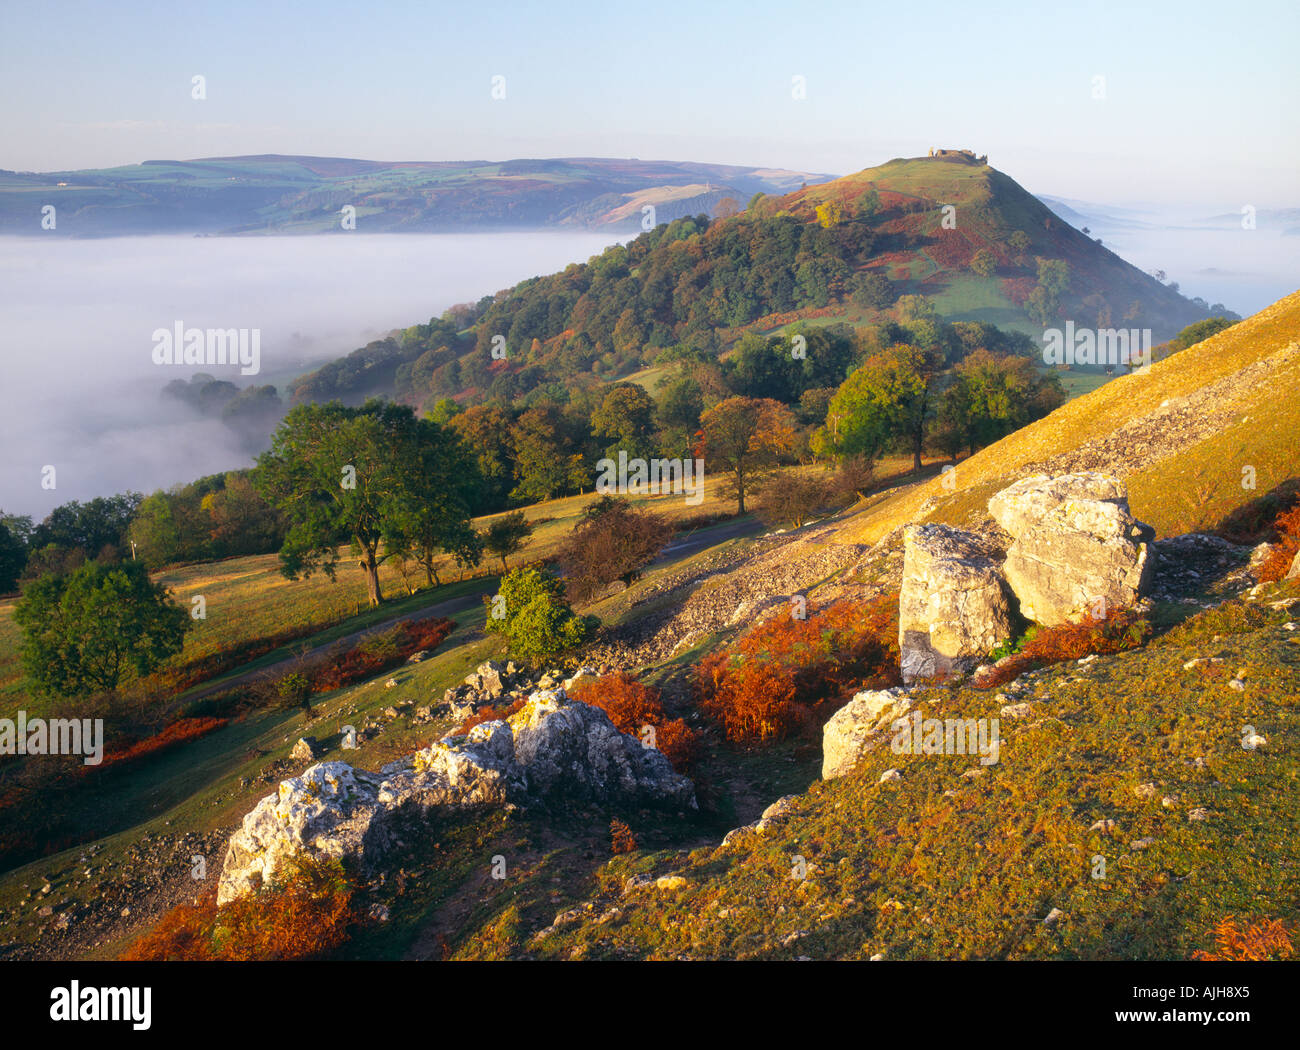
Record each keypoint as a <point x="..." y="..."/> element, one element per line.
<point x="354" y="475"/>
<point x="437" y="519"/>
<point x="507" y="535"/>
<point x="1054" y="275"/>
<point x="485" y="429"/>
<point x="13" y="551"/>
<point x="885" y="400"/>
<point x="82" y="633"/>
<point x="871" y="290"/>
<point x="916" y="308"/>
<point x="868" y="204"/>
<point x="625" y="418"/>
<point x="991" y="396"/>
<point x="983" y="263"/>
<point x="541" y="455"/>
<point x="531" y="613"/>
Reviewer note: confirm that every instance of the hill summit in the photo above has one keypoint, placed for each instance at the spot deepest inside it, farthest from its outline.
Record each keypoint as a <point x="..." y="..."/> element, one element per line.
<point x="944" y="237"/>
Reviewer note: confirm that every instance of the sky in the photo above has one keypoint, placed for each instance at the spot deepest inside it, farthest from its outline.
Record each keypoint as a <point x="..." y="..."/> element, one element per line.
<point x="1196" y="103"/>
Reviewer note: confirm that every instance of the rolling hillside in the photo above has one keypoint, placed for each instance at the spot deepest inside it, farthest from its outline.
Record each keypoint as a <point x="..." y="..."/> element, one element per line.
<point x="300" y="195"/>
<point x="965" y="238"/>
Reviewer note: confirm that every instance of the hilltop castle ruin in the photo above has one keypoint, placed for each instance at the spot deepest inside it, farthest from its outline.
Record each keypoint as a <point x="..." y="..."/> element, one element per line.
<point x="959" y="154"/>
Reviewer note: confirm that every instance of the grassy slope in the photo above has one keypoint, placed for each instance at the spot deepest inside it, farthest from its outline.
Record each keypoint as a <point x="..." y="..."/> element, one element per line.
<point x="940" y="866"/>
<point x="1262" y="437"/>
<point x="989" y="207"/>
<point x="248" y="598"/>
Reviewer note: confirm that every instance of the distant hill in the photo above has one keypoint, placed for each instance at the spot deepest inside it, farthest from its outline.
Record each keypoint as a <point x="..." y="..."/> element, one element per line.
<point x="297" y="195"/>
<point x="945" y="236"/>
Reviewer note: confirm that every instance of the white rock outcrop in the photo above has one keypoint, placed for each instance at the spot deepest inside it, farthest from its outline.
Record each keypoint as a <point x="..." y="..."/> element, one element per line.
<point x="1077" y="550"/>
<point x="552" y="749"/>
<point x="952" y="607"/>
<point x="860" y="726"/>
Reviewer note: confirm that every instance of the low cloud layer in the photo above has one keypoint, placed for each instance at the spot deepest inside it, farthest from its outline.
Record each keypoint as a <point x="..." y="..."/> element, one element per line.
<point x="81" y="392"/>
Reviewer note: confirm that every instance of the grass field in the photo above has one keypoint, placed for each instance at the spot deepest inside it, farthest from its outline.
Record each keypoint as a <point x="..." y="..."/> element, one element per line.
<point x="248" y="598"/>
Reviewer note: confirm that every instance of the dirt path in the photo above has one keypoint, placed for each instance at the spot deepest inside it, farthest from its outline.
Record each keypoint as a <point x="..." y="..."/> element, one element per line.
<point x="447" y="608"/>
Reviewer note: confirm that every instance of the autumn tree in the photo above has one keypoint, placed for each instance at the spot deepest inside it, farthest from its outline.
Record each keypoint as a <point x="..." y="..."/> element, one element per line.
<point x="613" y="541"/>
<point x="745" y="437"/>
<point x="830" y="214"/>
<point x="791" y="498"/>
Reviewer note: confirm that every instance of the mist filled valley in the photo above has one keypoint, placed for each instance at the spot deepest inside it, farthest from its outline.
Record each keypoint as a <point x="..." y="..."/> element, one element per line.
<point x="83" y="394"/>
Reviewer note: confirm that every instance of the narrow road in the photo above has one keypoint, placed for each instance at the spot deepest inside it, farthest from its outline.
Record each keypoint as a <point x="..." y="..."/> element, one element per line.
<point x="681" y="547"/>
<point x="447" y="608"/>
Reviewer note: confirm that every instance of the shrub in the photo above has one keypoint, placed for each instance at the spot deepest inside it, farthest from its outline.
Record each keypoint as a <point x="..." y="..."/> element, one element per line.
<point x="177" y="733"/>
<point x="304" y="917"/>
<point x="621" y="838"/>
<point x="1278" y="562"/>
<point x="294" y="690"/>
<point x="854" y="478"/>
<point x="1259" y="942"/>
<point x="790" y="673"/>
<point x="1118" y="630"/>
<point x="632" y="706"/>
<point x="491" y="713"/>
<point x="614" y="541"/>
<point x="377" y="653"/>
<point x="789" y="498"/>
<point x="537" y="622"/>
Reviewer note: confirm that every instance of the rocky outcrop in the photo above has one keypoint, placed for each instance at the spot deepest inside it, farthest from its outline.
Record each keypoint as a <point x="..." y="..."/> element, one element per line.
<point x="952" y="607"/>
<point x="552" y="749"/>
<point x="572" y="750"/>
<point x="1077" y="550"/>
<point x="860" y="726"/>
<point x="1294" y="572"/>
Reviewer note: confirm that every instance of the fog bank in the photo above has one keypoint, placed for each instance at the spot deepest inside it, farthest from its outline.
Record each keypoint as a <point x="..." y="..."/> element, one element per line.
<point x="81" y="392"/>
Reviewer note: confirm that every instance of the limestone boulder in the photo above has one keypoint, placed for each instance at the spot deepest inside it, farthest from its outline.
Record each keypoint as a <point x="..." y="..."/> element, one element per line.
<point x="953" y="606"/>
<point x="573" y="749"/>
<point x="861" y="726"/>
<point x="1077" y="550"/>
<point x="554" y="749"/>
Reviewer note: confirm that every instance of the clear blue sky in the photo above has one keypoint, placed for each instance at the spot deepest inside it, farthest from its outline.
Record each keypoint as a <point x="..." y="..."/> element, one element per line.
<point x="1200" y="99"/>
